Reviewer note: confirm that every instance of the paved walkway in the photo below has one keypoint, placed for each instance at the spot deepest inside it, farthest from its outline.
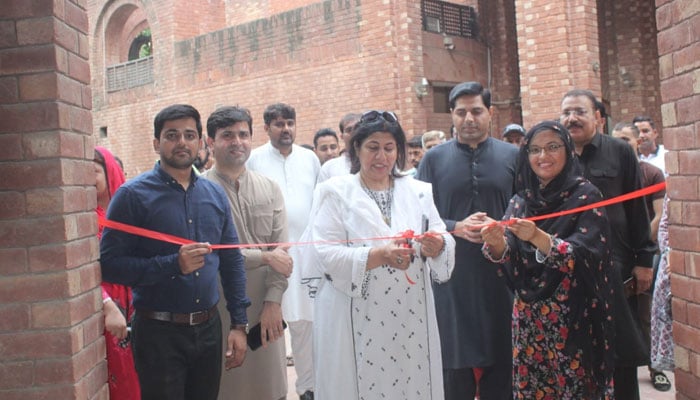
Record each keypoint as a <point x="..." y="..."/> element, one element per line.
<point x="646" y="390"/>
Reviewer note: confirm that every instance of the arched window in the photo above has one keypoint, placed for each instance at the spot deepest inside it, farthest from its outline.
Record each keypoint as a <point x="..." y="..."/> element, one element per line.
<point x="141" y="45"/>
<point x="128" y="48"/>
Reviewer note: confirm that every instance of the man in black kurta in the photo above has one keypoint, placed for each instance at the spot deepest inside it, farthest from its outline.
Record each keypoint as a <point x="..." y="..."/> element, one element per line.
<point x="472" y="174"/>
<point x="612" y="166"/>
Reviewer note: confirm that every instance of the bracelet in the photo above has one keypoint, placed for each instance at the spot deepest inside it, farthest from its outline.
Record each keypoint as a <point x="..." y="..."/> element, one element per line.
<point x="106" y="299"/>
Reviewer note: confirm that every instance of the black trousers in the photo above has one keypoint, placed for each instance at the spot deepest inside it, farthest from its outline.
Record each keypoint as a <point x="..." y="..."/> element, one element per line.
<point x="626" y="383"/>
<point x="495" y="383"/>
<point x="178" y="362"/>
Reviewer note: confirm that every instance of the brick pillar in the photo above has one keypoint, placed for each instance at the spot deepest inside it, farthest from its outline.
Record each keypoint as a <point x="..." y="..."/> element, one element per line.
<point x="558" y="50"/>
<point x="497" y="28"/>
<point x="51" y="343"/>
<point x="679" y="51"/>
<point x="408" y="31"/>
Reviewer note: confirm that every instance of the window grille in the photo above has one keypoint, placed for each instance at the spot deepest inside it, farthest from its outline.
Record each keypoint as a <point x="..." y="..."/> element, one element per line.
<point x="130" y="74"/>
<point x="450" y="19"/>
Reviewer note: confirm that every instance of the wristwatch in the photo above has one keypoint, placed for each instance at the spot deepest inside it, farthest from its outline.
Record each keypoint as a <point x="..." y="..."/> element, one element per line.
<point x="240" y="327"/>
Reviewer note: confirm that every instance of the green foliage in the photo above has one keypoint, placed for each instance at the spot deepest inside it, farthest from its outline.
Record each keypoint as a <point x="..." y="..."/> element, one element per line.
<point x="146" y="49"/>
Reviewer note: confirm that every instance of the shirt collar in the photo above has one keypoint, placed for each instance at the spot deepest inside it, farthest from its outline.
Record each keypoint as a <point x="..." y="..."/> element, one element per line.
<point x="479" y="147"/>
<point x="169" y="180"/>
<point x="276" y="153"/>
<point x="243" y="177"/>
<point x="594" y="143"/>
<point x="656" y="152"/>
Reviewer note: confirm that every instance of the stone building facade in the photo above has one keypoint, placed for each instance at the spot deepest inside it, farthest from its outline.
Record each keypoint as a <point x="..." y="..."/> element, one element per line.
<point x="325" y="58"/>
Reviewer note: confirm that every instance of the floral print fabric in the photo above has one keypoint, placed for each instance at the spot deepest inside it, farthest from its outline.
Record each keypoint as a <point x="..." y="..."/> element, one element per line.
<point x="542" y="369"/>
<point x="562" y="315"/>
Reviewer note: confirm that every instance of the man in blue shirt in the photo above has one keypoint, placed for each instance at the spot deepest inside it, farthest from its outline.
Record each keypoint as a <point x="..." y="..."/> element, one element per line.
<point x="176" y="331"/>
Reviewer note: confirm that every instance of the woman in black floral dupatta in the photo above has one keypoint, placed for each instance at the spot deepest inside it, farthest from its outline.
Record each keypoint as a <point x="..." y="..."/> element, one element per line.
<point x="558" y="269"/>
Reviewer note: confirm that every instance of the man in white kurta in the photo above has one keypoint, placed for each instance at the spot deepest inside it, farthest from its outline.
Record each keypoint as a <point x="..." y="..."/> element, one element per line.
<point x="375" y="332"/>
<point x="335" y="167"/>
<point x="258" y="212"/>
<point x="295" y="169"/>
<point x="341" y="165"/>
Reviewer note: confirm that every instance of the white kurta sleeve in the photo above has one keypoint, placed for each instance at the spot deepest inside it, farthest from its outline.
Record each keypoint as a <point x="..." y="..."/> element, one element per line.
<point x="441" y="266"/>
<point x="340" y="265"/>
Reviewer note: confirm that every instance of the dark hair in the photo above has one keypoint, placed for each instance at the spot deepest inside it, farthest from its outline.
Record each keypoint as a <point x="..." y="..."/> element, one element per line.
<point x="176" y="111"/>
<point x="470" y="89"/>
<point x="644" y="118"/>
<point x="199" y="162"/>
<point x="364" y="129"/>
<point x="274" y="111"/>
<point x="622" y="125"/>
<point x="416" y="141"/>
<point x="324" y="132"/>
<point x="100" y="159"/>
<point x="584" y="93"/>
<point x="348" y="118"/>
<point x="600" y="107"/>
<point x="121" y="164"/>
<point x="224" y="117"/>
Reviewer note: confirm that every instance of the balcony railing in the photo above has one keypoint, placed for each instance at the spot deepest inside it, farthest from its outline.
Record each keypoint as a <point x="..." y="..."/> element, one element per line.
<point x="450" y="19"/>
<point x="130" y="74"/>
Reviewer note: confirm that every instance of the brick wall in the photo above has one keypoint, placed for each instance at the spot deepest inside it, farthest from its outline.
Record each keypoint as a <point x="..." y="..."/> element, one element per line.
<point x="629" y="61"/>
<point x="497" y="27"/>
<point x="558" y="50"/>
<point x="678" y="22"/>
<point x="324" y="58"/>
<point x="51" y="343"/>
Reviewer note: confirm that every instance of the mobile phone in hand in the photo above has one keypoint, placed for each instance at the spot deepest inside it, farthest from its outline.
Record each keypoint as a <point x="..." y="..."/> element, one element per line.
<point x="254" y="339"/>
<point x="630" y="287"/>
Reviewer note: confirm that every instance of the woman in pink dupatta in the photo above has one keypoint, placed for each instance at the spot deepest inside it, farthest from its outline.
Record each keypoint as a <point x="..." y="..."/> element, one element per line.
<point x="122" y="378"/>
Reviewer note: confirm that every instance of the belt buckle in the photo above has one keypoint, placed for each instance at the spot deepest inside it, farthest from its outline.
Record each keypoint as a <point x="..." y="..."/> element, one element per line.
<point x="195" y="315"/>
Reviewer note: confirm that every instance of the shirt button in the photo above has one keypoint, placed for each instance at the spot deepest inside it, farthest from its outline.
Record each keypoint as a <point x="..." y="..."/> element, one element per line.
<point x="172" y="277"/>
<point x="189" y="221"/>
<point x="197" y="301"/>
<point x="196" y="273"/>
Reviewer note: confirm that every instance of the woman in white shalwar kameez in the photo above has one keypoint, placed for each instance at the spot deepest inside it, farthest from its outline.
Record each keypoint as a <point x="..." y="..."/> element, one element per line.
<point x="375" y="332"/>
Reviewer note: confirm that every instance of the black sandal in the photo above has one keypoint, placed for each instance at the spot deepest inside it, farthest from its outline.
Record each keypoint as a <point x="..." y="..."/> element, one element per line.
<point x="660" y="381"/>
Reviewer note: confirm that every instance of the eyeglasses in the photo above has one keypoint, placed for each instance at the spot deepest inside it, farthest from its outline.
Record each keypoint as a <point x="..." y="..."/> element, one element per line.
<point x="549" y="149"/>
<point x="373" y="115"/>
<point x="576" y="112"/>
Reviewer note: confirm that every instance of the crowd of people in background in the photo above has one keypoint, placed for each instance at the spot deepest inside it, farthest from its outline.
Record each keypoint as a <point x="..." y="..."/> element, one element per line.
<point x="425" y="270"/>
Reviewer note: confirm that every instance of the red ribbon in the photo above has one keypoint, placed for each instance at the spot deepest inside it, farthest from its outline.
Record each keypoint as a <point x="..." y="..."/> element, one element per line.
<point x="164" y="237"/>
<point x="408" y="234"/>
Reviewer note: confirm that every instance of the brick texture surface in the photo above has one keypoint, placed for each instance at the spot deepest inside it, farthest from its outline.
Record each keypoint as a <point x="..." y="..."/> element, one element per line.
<point x="49" y="279"/>
<point x="678" y="46"/>
<point x="324" y="58"/>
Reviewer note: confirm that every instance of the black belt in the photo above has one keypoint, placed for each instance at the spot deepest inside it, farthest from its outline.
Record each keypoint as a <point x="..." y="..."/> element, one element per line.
<point x="190" y="319"/>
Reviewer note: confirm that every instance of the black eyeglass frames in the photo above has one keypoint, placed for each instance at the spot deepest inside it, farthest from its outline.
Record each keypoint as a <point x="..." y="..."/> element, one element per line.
<point x="373" y="115"/>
